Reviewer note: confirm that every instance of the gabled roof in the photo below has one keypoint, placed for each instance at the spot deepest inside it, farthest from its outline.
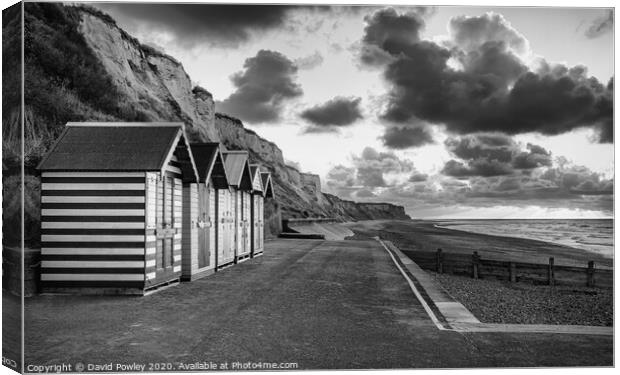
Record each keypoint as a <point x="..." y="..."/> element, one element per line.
<point x="257" y="183"/>
<point x="267" y="185"/>
<point x="210" y="163"/>
<point x="113" y="146"/>
<point x="238" y="169"/>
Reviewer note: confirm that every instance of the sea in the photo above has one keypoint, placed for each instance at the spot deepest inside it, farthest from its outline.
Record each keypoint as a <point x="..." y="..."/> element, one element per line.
<point x="594" y="235"/>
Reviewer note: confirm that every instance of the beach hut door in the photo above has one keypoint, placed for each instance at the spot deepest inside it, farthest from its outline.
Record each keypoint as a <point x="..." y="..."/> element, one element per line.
<point x="204" y="226"/>
<point x="165" y="229"/>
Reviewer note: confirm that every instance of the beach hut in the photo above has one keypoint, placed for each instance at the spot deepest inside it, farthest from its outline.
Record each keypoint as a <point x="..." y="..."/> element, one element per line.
<point x="258" y="212"/>
<point x="200" y="222"/>
<point x="112" y="208"/>
<point x="240" y="180"/>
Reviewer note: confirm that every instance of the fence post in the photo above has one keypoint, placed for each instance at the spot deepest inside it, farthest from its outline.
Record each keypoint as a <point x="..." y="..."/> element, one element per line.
<point x="550" y="273"/>
<point x="512" y="267"/>
<point x="475" y="259"/>
<point x="439" y="261"/>
<point x="590" y="273"/>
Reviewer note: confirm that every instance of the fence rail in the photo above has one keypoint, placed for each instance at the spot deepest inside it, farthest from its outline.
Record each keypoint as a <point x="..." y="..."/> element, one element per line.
<point x="475" y="266"/>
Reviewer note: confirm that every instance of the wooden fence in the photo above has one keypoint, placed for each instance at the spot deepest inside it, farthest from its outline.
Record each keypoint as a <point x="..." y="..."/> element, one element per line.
<point x="475" y="266"/>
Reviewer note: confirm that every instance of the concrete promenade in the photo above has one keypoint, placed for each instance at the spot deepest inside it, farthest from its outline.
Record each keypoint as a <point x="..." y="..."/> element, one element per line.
<point x="319" y="304"/>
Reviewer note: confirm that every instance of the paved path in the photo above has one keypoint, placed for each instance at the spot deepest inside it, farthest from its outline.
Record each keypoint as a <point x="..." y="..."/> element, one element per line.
<point x="322" y="304"/>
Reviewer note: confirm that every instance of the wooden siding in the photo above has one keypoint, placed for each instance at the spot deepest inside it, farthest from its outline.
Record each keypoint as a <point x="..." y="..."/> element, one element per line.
<point x="190" y="230"/>
<point x="238" y="224"/>
<point x="93" y="230"/>
<point x="261" y="223"/>
<point x="257" y="224"/>
<point x="212" y="219"/>
<point x="164" y="256"/>
<point x="226" y="222"/>
<point x="247" y="222"/>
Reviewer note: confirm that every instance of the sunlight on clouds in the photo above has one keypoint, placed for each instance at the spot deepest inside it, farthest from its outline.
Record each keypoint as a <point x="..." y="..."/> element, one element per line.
<point x="577" y="148"/>
<point x="504" y="212"/>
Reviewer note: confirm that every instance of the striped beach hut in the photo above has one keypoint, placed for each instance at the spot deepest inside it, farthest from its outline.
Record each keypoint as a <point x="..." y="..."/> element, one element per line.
<point x="200" y="221"/>
<point x="258" y="211"/>
<point x="112" y="208"/>
<point x="240" y="180"/>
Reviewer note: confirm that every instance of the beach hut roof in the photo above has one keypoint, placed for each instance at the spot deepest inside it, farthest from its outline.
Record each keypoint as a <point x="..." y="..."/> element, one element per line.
<point x="238" y="169"/>
<point x="210" y="163"/>
<point x="120" y="146"/>
<point x="255" y="172"/>
<point x="267" y="185"/>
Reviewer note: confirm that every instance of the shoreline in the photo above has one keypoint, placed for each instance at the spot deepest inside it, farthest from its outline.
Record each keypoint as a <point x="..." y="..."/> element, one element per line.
<point x="423" y="235"/>
<point x="589" y="251"/>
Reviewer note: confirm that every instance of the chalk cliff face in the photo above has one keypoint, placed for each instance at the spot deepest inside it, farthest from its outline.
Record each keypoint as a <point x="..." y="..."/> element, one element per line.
<point x="156" y="83"/>
<point x="155" y="87"/>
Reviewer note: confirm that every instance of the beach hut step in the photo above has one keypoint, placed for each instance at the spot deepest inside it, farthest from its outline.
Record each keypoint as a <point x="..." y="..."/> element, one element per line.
<point x="243" y="258"/>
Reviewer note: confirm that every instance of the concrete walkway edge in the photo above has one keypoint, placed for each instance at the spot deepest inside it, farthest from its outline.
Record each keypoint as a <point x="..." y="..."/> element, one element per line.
<point x="457" y="316"/>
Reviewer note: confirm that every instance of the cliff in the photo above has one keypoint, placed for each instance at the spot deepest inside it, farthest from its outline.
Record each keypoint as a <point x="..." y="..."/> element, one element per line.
<point x="366" y="211"/>
<point x="80" y="66"/>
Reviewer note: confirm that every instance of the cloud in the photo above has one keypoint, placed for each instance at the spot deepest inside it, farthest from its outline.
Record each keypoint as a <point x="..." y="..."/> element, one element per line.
<point x="387" y="32"/>
<point x="578" y="180"/>
<point x="292" y="164"/>
<point x="199" y="24"/>
<point x="365" y="193"/>
<point x="471" y="33"/>
<point x="536" y="157"/>
<point x="478" y="167"/>
<point x="372" y="166"/>
<point x="601" y="25"/>
<point x="402" y="137"/>
<point x="418" y="177"/>
<point x="488" y="176"/>
<point x="267" y="81"/>
<point x="335" y="113"/>
<point x="310" y="61"/>
<point x="341" y="180"/>
<point x="370" y="169"/>
<point x="477" y="81"/>
<point x="493" y="146"/>
<point x="492" y="154"/>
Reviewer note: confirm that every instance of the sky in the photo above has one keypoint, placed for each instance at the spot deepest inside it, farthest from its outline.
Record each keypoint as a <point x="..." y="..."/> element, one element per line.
<point x="450" y="111"/>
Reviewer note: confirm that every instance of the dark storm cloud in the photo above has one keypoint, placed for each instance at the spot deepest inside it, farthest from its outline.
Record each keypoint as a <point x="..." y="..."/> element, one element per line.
<point x="536" y="157"/>
<point x="267" y="81"/>
<point x="387" y="33"/>
<point x="402" y="137"/>
<point x="492" y="155"/>
<point x="601" y="25"/>
<point x="337" y="112"/>
<point x="491" y="90"/>
<point x="492" y="146"/>
<point x="478" y="167"/>
<point x="195" y="24"/>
